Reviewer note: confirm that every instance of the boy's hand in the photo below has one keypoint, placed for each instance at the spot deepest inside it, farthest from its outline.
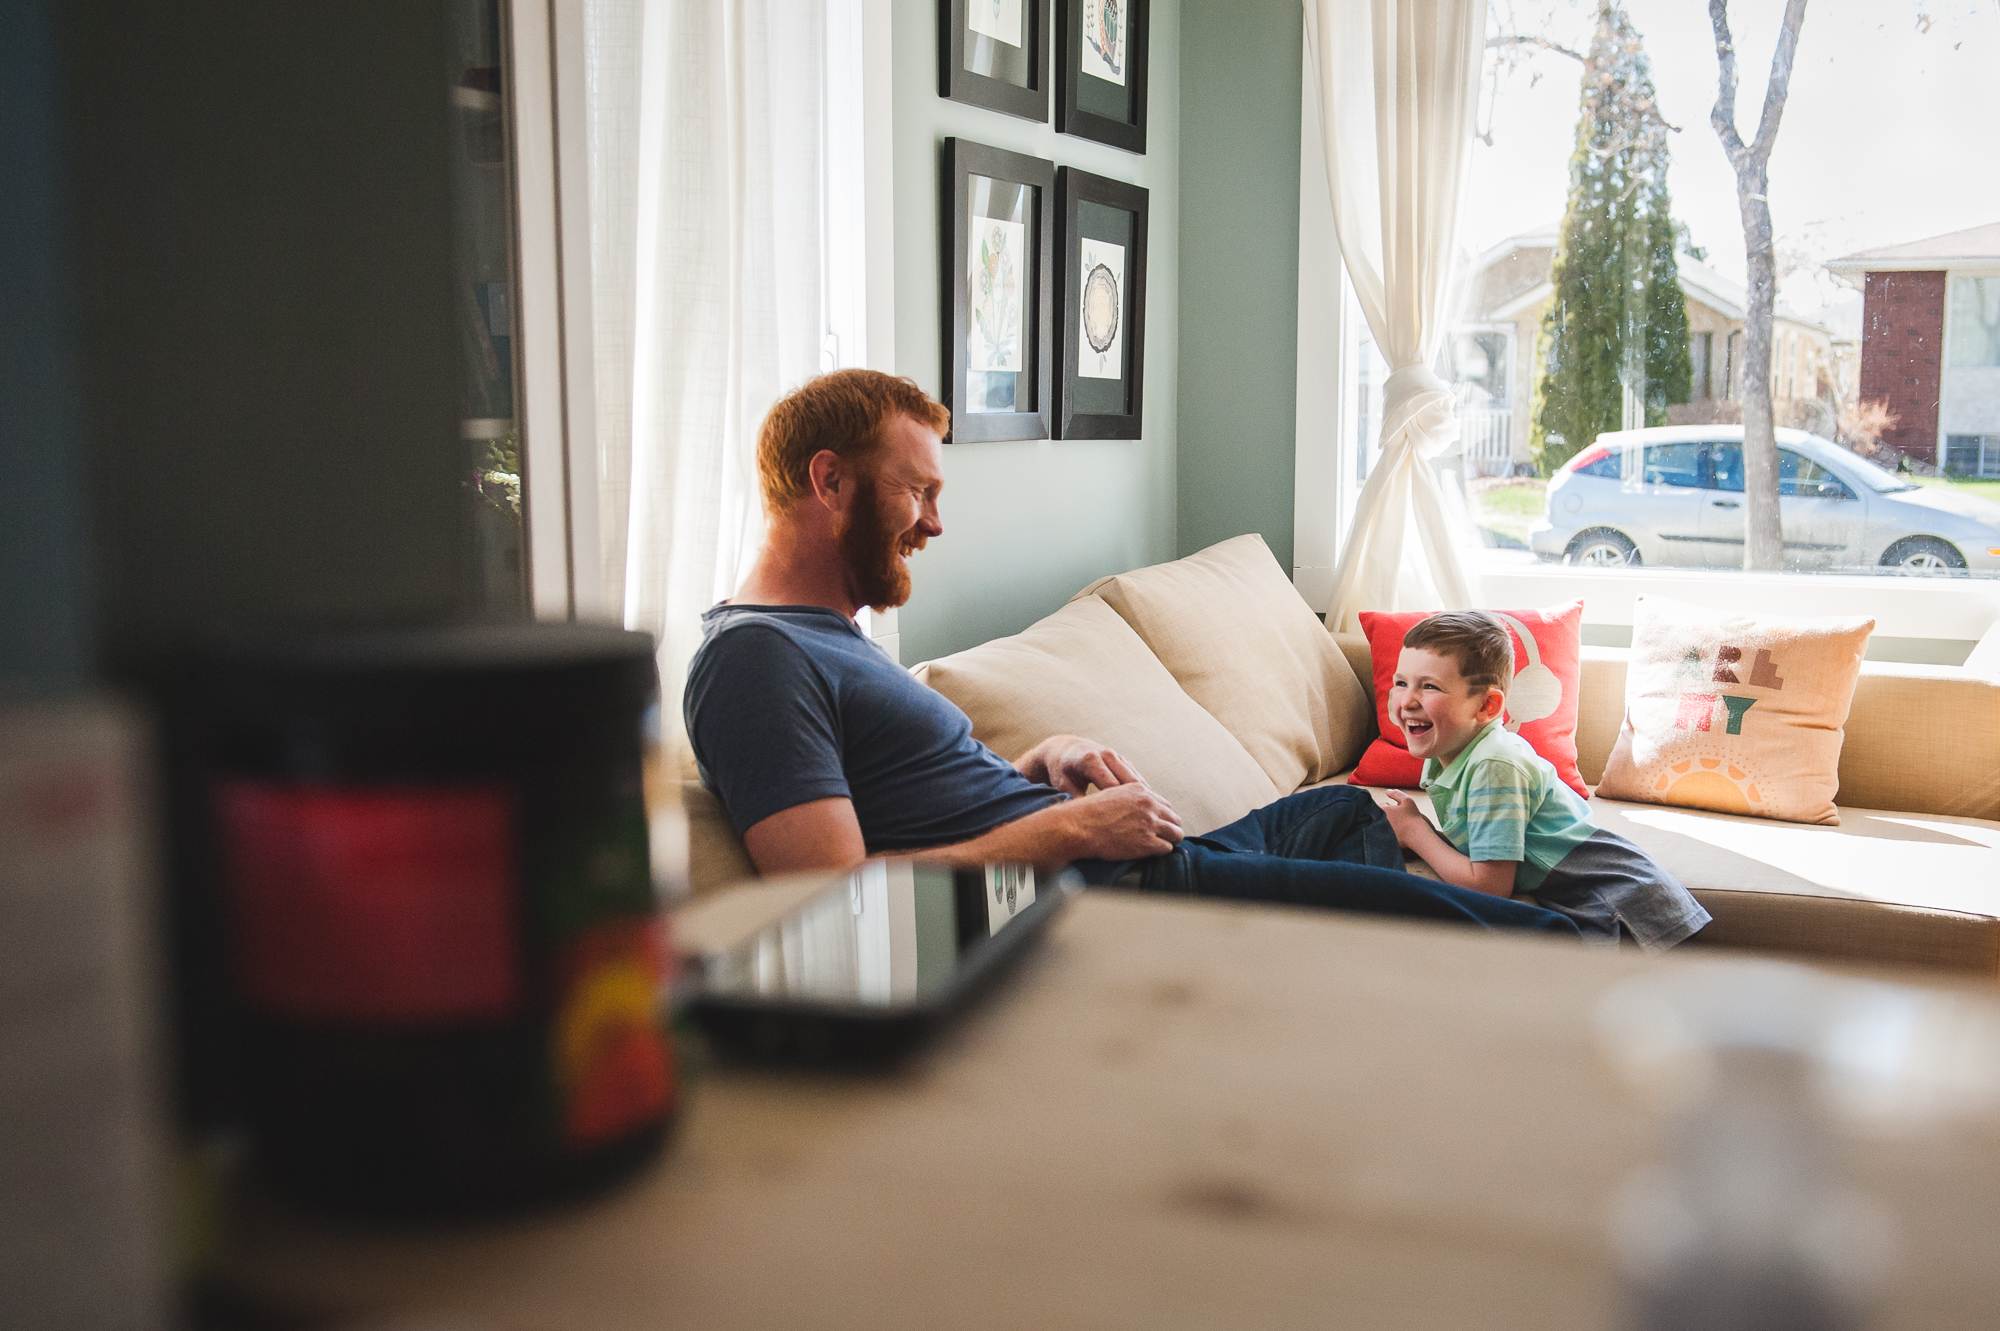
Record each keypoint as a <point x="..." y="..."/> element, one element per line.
<point x="1406" y="819"/>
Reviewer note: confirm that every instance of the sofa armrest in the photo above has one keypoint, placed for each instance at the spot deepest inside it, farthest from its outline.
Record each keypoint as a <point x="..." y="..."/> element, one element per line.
<point x="716" y="857"/>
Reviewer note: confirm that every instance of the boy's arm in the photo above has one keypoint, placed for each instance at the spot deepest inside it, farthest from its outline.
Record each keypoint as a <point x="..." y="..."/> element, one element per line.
<point x="1415" y="833"/>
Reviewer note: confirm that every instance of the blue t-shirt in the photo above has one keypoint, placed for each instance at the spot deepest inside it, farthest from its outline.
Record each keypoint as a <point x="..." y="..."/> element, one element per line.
<point x="788" y="704"/>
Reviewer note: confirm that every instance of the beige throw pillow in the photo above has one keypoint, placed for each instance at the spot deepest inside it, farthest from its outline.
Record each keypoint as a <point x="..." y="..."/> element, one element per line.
<point x="1082" y="671"/>
<point x="1241" y="640"/>
<point x="1735" y="713"/>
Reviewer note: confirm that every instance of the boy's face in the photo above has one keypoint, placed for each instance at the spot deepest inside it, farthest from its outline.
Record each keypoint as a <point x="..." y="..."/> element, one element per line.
<point x="1438" y="711"/>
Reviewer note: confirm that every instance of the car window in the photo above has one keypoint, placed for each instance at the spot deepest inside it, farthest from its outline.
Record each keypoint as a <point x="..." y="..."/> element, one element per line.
<point x="1673" y="464"/>
<point x="1607" y="467"/>
<point x="1726" y="467"/>
<point x="1800" y="475"/>
<point x="1878" y="478"/>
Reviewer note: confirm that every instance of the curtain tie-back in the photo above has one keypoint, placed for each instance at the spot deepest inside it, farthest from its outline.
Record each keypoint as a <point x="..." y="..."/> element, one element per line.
<point x="1415" y="400"/>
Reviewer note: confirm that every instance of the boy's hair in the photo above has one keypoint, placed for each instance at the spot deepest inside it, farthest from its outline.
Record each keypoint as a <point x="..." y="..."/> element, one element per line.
<point x="1475" y="640"/>
<point x="846" y="413"/>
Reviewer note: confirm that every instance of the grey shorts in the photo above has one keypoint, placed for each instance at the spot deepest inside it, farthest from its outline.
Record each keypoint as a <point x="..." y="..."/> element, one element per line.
<point x="1612" y="889"/>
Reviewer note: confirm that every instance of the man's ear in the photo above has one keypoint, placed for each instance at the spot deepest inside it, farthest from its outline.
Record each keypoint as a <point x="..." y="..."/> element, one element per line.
<point x="830" y="480"/>
<point x="1495" y="704"/>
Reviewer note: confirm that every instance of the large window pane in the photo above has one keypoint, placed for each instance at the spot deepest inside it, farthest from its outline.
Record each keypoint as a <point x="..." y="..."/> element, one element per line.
<point x="1605" y="292"/>
<point x="1975" y="321"/>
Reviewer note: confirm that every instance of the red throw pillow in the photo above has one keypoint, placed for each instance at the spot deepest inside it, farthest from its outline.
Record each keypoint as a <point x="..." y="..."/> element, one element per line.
<point x="1548" y="652"/>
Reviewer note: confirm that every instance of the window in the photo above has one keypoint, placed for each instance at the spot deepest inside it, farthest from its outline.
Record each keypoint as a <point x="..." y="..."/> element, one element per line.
<point x="1974" y="321"/>
<point x="1645" y="188"/>
<point x="1674" y="464"/>
<point x="1802" y="476"/>
<point x="1607" y="467"/>
<point x="1972" y="455"/>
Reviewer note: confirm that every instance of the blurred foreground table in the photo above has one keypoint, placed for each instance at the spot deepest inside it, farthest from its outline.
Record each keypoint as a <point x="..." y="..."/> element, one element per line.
<point x="1175" y="1114"/>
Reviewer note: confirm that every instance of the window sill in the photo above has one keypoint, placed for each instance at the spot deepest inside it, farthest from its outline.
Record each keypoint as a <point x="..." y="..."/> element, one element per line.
<point x="1919" y="620"/>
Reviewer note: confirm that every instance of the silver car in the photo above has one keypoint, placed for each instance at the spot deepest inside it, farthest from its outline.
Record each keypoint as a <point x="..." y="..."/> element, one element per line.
<point x="1674" y="496"/>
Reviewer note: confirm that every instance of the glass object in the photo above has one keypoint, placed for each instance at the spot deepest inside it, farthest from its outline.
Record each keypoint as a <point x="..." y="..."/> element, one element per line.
<point x="896" y="931"/>
<point x="482" y="186"/>
<point x="1001" y="317"/>
<point x="1760" y="1073"/>
<point x="1974" y="320"/>
<point x="1569" y="184"/>
<point x="1674" y="464"/>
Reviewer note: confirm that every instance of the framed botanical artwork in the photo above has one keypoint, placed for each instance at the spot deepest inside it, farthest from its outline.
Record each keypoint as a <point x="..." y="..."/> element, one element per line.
<point x="1101" y="71"/>
<point x="1103" y="302"/>
<point x="995" y="54"/>
<point x="998" y="248"/>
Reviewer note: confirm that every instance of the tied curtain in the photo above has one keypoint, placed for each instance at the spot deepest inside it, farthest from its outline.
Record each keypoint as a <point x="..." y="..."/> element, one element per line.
<point x="705" y="135"/>
<point x="1397" y="83"/>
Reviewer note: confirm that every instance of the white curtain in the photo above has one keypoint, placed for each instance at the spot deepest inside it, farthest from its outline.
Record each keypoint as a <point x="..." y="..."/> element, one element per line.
<point x="714" y="306"/>
<point x="1397" y="82"/>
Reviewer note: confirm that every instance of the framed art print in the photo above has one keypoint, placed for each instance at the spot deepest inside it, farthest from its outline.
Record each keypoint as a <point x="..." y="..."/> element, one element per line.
<point x="998" y="249"/>
<point x="995" y="54"/>
<point x="1102" y="296"/>
<point x="1101" y="71"/>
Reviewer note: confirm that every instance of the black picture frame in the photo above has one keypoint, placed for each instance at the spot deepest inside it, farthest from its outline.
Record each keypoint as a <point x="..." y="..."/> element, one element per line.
<point x="1089" y="206"/>
<point x="1006" y="175"/>
<point x="1084" y="105"/>
<point x="996" y="91"/>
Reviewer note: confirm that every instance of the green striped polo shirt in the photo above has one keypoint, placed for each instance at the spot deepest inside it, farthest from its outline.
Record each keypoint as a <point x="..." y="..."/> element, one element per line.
<point x="1500" y="800"/>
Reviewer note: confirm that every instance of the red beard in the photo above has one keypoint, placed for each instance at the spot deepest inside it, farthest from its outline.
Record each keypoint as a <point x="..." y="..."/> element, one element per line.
<point x="874" y="554"/>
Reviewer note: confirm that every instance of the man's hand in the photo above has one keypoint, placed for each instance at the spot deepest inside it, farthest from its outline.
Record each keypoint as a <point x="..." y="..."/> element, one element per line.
<point x="1413" y="831"/>
<point x="1073" y="764"/>
<point x="1124" y="822"/>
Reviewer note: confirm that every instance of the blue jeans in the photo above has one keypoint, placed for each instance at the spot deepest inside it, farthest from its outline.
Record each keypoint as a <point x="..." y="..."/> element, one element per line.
<point x="1328" y="847"/>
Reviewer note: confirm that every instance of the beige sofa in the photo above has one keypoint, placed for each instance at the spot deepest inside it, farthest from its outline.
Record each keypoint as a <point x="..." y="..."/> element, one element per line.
<point x="1216" y="680"/>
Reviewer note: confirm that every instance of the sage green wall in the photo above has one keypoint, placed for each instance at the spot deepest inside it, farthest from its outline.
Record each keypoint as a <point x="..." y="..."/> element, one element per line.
<point x="1028" y="523"/>
<point x="1239" y="269"/>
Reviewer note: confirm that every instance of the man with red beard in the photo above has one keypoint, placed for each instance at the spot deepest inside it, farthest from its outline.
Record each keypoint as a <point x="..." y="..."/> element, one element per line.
<point x="825" y="751"/>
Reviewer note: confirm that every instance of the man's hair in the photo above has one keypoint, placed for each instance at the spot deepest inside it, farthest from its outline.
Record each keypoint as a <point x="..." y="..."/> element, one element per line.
<point x="846" y="413"/>
<point x="1477" y="642"/>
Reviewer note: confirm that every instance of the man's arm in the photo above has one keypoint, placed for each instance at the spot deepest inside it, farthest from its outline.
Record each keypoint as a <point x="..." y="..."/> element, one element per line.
<point x="1414" y="833"/>
<point x="1124" y="822"/>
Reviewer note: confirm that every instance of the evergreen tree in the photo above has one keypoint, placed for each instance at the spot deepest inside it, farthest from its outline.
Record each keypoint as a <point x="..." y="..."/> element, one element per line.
<point x="1617" y="323"/>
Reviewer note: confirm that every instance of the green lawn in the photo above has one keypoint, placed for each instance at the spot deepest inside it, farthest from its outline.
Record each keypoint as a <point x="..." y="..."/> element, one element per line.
<point x="1983" y="489"/>
<point x="1507" y="507"/>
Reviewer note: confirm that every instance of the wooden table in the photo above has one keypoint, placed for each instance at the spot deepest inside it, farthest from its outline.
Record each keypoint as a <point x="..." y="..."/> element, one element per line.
<point x="1176" y="1114"/>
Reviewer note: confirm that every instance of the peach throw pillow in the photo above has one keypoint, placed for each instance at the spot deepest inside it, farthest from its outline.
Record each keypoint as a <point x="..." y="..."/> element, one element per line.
<point x="1735" y="713"/>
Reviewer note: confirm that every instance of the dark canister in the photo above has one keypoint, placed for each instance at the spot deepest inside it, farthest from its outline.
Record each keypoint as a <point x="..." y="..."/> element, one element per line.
<point x="441" y="930"/>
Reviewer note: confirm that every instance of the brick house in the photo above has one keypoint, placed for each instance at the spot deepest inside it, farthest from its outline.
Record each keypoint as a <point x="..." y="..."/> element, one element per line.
<point x="1930" y="345"/>
<point x="1495" y="348"/>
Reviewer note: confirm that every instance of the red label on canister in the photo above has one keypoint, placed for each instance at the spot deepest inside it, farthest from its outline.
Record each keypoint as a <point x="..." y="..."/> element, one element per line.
<point x="373" y="904"/>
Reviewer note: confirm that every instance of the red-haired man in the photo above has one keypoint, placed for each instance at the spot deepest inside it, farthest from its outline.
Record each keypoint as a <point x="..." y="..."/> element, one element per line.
<point x="824" y="751"/>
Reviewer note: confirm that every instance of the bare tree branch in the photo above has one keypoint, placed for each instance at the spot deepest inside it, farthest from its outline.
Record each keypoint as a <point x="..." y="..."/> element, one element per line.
<point x="1723" y="117"/>
<point x="1781" y="78"/>
<point x="1542" y="43"/>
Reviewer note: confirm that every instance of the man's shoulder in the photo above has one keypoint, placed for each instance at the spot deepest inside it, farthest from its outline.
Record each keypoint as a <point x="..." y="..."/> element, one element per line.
<point x="731" y="633"/>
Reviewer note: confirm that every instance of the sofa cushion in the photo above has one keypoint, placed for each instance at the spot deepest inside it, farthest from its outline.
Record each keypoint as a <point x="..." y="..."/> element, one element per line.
<point x="1084" y="671"/>
<point x="1892" y="888"/>
<point x="1736" y="713"/>
<point x="716" y="857"/>
<point x="1236" y="634"/>
<point x="1923" y="737"/>
<point x="1541" y="701"/>
<point x="1918" y="737"/>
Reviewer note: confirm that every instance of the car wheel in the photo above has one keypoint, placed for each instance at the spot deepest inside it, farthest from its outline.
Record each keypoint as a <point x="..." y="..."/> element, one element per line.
<point x="1601" y="548"/>
<point x="1925" y="556"/>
